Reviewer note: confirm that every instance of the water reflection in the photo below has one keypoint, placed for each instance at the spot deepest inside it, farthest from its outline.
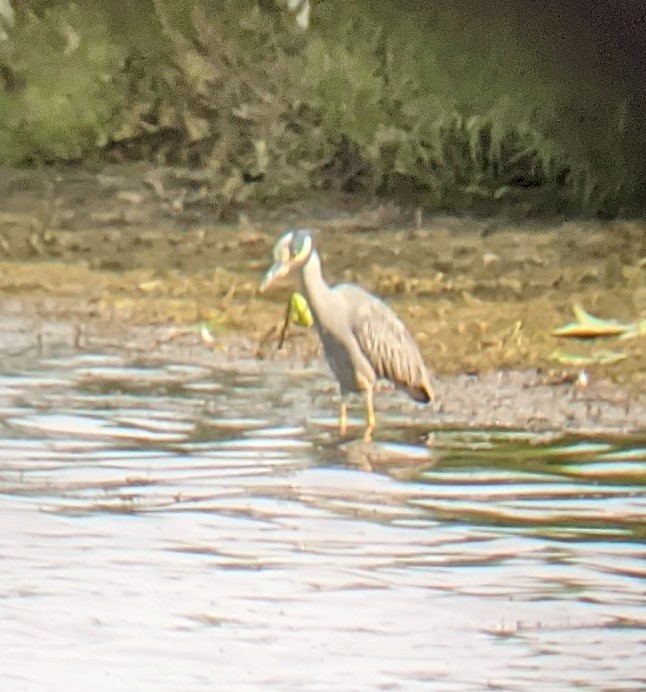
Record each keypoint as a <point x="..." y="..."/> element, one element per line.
<point x="177" y="526"/>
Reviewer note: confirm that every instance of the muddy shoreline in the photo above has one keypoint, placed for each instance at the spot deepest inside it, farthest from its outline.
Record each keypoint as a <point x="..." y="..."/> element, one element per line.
<point x="528" y="400"/>
<point x="131" y="258"/>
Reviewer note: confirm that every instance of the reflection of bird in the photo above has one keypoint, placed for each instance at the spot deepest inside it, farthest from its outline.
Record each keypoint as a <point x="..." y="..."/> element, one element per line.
<point x="362" y="337"/>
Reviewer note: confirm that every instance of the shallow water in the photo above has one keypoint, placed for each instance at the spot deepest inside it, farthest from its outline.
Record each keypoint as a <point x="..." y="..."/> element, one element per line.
<point x="183" y="527"/>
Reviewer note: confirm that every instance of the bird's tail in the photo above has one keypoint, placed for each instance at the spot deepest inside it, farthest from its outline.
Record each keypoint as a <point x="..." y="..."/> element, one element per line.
<point x="424" y="393"/>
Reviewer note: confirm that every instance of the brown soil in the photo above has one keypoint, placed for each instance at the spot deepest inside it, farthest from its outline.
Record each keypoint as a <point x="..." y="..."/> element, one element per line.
<point x="129" y="247"/>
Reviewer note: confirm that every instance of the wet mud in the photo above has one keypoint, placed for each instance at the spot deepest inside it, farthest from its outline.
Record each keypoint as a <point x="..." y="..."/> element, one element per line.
<point x="135" y="258"/>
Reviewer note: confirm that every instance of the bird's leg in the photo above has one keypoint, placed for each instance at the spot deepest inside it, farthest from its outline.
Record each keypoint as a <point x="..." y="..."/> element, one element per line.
<point x="343" y="417"/>
<point x="370" y="416"/>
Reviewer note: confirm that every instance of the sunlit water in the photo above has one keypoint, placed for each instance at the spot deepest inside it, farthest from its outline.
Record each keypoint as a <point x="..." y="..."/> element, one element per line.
<point x="181" y="527"/>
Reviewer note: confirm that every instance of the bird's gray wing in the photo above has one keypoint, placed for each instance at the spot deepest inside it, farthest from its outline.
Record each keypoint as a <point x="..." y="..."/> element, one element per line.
<point x="386" y="342"/>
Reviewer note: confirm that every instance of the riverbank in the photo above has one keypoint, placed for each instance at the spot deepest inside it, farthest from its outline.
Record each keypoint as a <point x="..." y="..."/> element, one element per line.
<point x="126" y="257"/>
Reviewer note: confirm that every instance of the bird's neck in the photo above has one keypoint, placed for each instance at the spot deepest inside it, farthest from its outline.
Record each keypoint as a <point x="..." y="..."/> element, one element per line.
<point x="313" y="285"/>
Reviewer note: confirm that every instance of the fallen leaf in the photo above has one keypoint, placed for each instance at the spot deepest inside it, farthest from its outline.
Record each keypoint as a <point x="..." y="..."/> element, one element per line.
<point x="579" y="359"/>
<point x="588" y="326"/>
<point x="637" y="329"/>
<point x="205" y="333"/>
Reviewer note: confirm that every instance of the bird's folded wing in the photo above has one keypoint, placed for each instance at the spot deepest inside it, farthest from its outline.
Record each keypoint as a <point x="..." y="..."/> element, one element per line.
<point x="388" y="345"/>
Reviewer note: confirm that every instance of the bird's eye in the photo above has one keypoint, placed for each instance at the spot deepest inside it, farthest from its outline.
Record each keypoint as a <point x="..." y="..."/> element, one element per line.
<point x="302" y="251"/>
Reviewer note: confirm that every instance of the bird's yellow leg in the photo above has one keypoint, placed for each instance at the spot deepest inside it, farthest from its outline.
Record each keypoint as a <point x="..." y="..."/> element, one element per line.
<point x="370" y="416"/>
<point x="343" y="417"/>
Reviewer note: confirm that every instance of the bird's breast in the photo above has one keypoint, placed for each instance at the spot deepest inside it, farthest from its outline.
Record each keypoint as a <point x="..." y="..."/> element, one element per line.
<point x="351" y="371"/>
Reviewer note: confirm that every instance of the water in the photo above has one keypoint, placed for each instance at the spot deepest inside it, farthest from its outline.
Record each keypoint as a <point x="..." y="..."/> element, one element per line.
<point x="181" y="527"/>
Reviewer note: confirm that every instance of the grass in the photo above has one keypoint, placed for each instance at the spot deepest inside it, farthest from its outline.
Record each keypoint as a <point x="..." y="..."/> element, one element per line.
<point x="451" y="110"/>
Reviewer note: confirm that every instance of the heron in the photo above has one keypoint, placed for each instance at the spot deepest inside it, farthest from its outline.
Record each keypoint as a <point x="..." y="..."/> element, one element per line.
<point x="363" y="339"/>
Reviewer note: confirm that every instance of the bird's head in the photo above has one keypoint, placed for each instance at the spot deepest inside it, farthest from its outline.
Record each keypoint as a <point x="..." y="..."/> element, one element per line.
<point x="291" y="250"/>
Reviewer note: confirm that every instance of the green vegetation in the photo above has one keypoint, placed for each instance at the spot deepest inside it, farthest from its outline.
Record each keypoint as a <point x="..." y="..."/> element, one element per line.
<point x="62" y="86"/>
<point x="443" y="108"/>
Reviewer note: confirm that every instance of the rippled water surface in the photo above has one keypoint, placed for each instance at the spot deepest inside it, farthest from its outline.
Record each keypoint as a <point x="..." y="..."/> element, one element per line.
<point x="179" y="527"/>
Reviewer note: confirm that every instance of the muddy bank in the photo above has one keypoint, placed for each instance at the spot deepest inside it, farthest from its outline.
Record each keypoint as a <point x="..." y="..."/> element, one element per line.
<point x="531" y="400"/>
<point x="136" y="255"/>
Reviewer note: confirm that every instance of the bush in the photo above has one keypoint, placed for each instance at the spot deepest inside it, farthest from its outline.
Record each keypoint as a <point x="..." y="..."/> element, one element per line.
<point x="238" y="91"/>
<point x="65" y="90"/>
<point x="463" y="109"/>
<point x="454" y="110"/>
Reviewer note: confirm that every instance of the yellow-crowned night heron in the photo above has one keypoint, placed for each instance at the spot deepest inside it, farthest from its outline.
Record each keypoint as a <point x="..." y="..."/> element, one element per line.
<point x="363" y="338"/>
